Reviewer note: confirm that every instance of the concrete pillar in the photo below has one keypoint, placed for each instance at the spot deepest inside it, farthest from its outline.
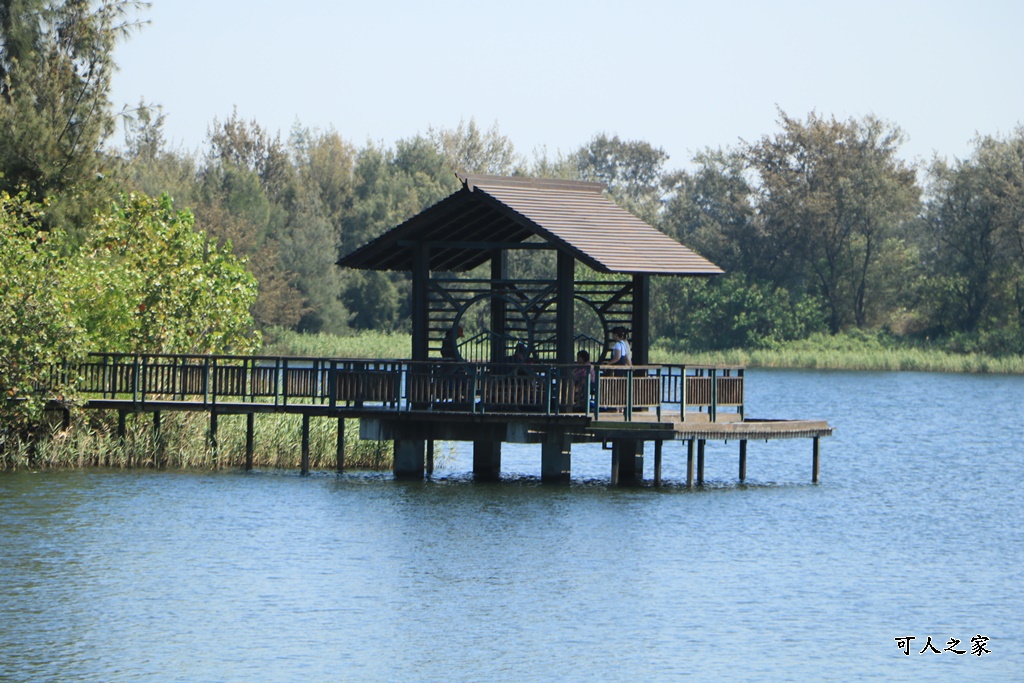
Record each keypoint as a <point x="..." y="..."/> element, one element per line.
<point x="340" y="457"/>
<point x="700" y="461"/>
<point x="409" y="459"/>
<point x="305" y="444"/>
<point x="556" y="459"/>
<point x="250" y="439"/>
<point x="657" y="461"/>
<point x="689" y="463"/>
<point x="627" y="461"/>
<point x="486" y="460"/>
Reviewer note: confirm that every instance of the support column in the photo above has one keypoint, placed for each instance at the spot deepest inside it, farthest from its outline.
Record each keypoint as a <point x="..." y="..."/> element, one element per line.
<point x="340" y="456"/>
<point x="250" y="439"/>
<point x="305" y="444"/>
<point x="556" y="459"/>
<point x="158" y="440"/>
<point x="743" y="460"/>
<point x="499" y="273"/>
<point x="657" y="462"/>
<point x="627" y="461"/>
<point x="816" y="467"/>
<point x="565" y="325"/>
<point x="700" y="461"/>
<point x="430" y="457"/>
<point x="213" y="436"/>
<point x="409" y="459"/>
<point x="486" y="460"/>
<point x="122" y="428"/>
<point x="689" y="463"/>
<point x="420" y="310"/>
<point x="641" y="339"/>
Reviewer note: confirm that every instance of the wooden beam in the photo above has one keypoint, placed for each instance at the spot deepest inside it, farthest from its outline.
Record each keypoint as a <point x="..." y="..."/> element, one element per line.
<point x="565" y="325"/>
<point x="641" y="332"/>
<point x="420" y="307"/>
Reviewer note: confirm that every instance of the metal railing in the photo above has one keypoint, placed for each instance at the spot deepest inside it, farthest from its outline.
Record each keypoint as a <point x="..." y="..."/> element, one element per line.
<point x="398" y="385"/>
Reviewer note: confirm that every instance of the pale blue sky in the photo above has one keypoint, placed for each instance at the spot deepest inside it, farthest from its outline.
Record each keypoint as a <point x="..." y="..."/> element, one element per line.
<point x="681" y="75"/>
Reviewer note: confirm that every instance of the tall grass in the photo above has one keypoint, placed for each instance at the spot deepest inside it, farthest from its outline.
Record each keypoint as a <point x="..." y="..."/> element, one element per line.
<point x="365" y="344"/>
<point x="854" y="351"/>
<point x="183" y="443"/>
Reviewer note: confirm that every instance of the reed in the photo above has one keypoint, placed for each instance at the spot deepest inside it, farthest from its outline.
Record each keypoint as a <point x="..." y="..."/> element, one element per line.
<point x="365" y="344"/>
<point x="183" y="443"/>
<point x="857" y="351"/>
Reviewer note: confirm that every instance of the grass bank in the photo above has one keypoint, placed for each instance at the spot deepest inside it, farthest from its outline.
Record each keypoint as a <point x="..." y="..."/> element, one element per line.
<point x="850" y="351"/>
<point x="90" y="441"/>
<point x="853" y="351"/>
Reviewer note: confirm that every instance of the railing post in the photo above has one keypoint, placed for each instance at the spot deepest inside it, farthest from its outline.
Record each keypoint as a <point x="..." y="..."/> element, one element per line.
<point x="713" y="408"/>
<point x="629" y="395"/>
<point x="135" y="378"/>
<point x="206" y="380"/>
<point x="682" y="393"/>
<point x="597" y="396"/>
<point x="472" y="389"/>
<point x="332" y="385"/>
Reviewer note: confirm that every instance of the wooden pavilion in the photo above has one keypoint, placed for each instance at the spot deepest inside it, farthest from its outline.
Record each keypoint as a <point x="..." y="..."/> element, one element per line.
<point x="491" y="216"/>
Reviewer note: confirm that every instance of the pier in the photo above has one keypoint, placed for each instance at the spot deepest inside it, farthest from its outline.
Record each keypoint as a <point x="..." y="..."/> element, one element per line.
<point x="415" y="404"/>
<point x="496" y="346"/>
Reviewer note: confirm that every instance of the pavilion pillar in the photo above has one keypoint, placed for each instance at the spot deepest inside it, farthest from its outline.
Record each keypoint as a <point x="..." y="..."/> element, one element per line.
<point x="420" y="310"/>
<point x="565" y="327"/>
<point x="499" y="273"/>
<point x="641" y="332"/>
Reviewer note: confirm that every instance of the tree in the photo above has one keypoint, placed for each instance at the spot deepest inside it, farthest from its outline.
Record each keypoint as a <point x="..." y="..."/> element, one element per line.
<point x="830" y="195"/>
<point x="147" y="282"/>
<point x="36" y="330"/>
<point x="468" y="150"/>
<point x="975" y="237"/>
<point x="631" y="169"/>
<point x="56" y="66"/>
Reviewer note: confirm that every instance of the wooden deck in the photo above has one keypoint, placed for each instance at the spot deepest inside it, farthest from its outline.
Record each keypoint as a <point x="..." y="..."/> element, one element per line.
<point x="414" y="404"/>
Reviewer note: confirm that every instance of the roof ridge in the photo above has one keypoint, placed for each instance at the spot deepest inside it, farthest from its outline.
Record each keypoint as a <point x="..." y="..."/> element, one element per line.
<point x="473" y="180"/>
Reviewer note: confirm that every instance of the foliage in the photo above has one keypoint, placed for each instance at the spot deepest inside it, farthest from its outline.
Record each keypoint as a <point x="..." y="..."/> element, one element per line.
<point x="732" y="312"/>
<point x="829" y="195"/>
<point x="56" y="67"/>
<point x="975" y="243"/>
<point x="147" y="282"/>
<point x="37" y="328"/>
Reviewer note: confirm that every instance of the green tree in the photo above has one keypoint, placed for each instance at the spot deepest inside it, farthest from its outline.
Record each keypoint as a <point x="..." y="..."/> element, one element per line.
<point x="632" y="170"/>
<point x="467" y="149"/>
<point x="147" y="282"/>
<point x="975" y="238"/>
<point x="56" y="65"/>
<point x="37" y="329"/>
<point x="830" y="196"/>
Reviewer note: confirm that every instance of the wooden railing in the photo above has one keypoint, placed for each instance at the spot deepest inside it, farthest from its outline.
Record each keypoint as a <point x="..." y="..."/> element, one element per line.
<point x="407" y="385"/>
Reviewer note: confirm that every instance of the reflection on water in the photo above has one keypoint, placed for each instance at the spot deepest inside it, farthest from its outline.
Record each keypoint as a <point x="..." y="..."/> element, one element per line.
<point x="916" y="529"/>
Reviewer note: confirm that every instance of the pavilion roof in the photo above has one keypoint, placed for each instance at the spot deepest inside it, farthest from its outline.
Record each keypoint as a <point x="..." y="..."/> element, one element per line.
<point x="494" y="212"/>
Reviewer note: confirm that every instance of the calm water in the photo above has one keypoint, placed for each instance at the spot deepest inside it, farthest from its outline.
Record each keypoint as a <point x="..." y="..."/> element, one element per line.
<point x="916" y="530"/>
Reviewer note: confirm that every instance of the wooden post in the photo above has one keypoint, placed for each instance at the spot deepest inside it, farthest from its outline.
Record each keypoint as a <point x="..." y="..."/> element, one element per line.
<point x="430" y="457"/>
<point x="499" y="273"/>
<point x="340" y="458"/>
<point x="743" y="460"/>
<point x="641" y="319"/>
<point x="122" y="428"/>
<point x="213" y="436"/>
<point x="689" y="463"/>
<point x="305" y="444"/>
<point x="657" y="462"/>
<point x="250" y="439"/>
<point x="565" y="325"/>
<point x="817" y="460"/>
<point x="700" y="461"/>
<point x="158" y="440"/>
<point x="420" y="310"/>
<point x="616" y="457"/>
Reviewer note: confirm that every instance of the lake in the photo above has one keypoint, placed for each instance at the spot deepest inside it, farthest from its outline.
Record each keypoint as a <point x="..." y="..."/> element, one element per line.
<point x="916" y="530"/>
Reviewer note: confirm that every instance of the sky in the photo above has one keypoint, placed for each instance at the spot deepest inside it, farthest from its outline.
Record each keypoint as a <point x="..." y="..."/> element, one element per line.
<point x="551" y="74"/>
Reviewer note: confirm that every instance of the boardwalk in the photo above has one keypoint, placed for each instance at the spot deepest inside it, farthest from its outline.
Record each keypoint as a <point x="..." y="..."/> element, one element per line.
<point x="414" y="404"/>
